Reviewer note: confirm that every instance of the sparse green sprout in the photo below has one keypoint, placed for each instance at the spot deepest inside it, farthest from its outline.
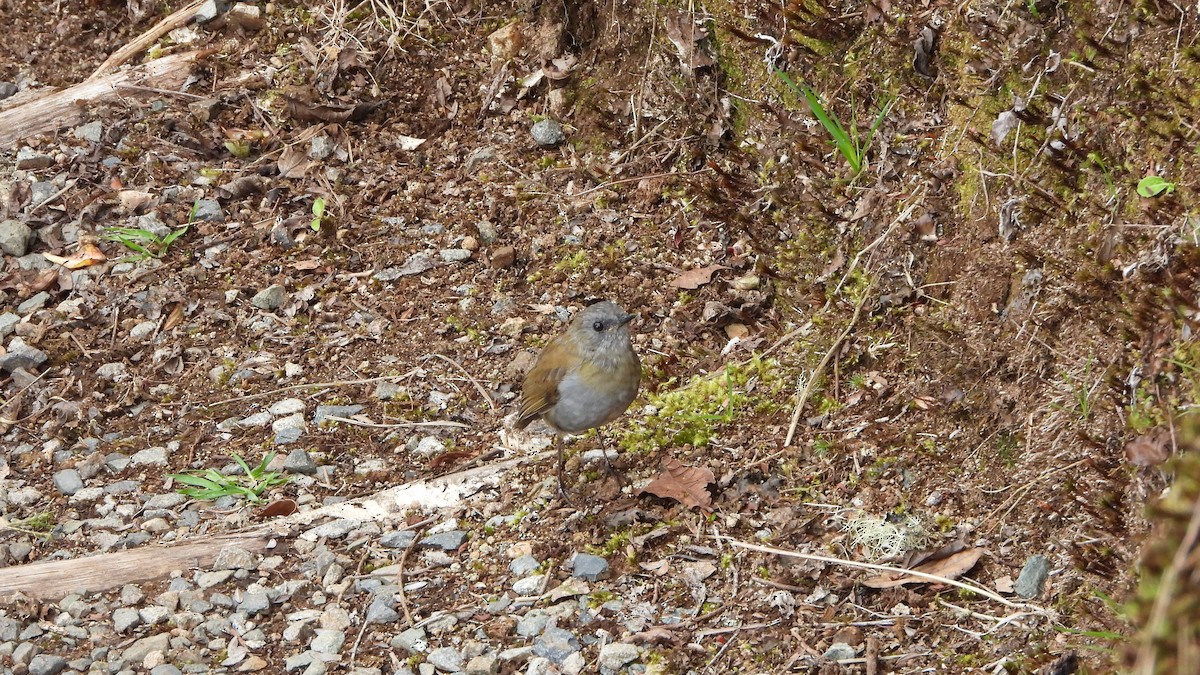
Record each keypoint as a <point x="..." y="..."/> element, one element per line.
<point x="318" y="211"/>
<point x="239" y="149"/>
<point x="848" y="143"/>
<point x="1081" y="391"/>
<point x="38" y="525"/>
<point x="144" y="243"/>
<point x="212" y="484"/>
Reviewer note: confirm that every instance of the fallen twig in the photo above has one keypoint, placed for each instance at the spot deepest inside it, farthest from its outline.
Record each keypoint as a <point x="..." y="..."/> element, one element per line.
<point x="979" y="590"/>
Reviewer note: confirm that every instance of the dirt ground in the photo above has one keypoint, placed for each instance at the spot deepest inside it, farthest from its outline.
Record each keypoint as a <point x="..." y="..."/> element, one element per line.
<point x="997" y="327"/>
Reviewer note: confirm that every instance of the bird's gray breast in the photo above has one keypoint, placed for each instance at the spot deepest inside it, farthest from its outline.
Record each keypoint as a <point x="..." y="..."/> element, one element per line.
<point x="585" y="404"/>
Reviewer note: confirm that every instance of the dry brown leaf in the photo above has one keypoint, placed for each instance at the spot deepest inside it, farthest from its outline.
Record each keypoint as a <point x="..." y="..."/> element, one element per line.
<point x="278" y="508"/>
<point x="687" y="485"/>
<point x="410" y="143"/>
<point x="293" y="163"/>
<point x="310" y="112"/>
<point x="310" y="264"/>
<point x="656" y="635"/>
<point x="950" y="567"/>
<point x="132" y="200"/>
<point x="174" y="317"/>
<point x="693" y="279"/>
<point x="87" y="255"/>
<point x="1149" y="449"/>
<point x="449" y="458"/>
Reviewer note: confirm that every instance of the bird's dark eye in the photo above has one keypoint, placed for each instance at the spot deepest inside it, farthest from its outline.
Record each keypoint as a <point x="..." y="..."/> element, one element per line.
<point x="598" y="326"/>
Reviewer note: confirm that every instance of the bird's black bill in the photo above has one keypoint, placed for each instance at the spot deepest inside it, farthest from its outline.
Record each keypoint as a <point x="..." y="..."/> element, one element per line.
<point x="627" y="318"/>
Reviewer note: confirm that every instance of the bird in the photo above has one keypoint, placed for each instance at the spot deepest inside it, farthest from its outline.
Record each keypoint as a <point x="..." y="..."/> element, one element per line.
<point x="586" y="377"/>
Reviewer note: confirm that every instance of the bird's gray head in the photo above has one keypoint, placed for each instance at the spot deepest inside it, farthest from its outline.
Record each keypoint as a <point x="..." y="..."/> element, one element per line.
<point x="601" y="327"/>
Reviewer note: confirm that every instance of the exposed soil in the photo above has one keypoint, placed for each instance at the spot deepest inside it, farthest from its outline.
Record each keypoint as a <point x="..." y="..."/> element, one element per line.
<point x="1025" y="315"/>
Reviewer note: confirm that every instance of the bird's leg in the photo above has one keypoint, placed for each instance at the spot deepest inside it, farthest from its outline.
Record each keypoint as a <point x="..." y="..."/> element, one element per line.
<point x="562" y="488"/>
<point x="608" y="467"/>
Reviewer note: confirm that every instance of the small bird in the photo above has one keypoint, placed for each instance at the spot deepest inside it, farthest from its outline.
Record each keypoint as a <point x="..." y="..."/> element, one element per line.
<point x="585" y="377"/>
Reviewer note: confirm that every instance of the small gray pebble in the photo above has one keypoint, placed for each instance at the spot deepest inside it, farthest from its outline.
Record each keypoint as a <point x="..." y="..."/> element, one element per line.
<point x="412" y="640"/>
<point x="556" y="644"/>
<point x="235" y="558"/>
<point x="269" y="298"/>
<point x="399" y="539"/>
<point x="126" y="618"/>
<point x="321" y="147"/>
<point x="299" y="461"/>
<point x="15" y="237"/>
<point x="589" y="567"/>
<point x="46" y="664"/>
<point x="327" y="641"/>
<point x="152" y="223"/>
<point x="548" y="133"/>
<point x="453" y="255"/>
<point x="838" y="651"/>
<point x="34" y="303"/>
<point x="29" y="159"/>
<point x="68" y="481"/>
<point x="529" y="585"/>
<point x="149" y="457"/>
<point x="113" y="372"/>
<point x="382" y="610"/>
<point x="615" y="655"/>
<point x="532" y="624"/>
<point x="89" y="132"/>
<point x="384" y="391"/>
<point x="209" y="210"/>
<point x="417" y="263"/>
<point x="446" y="659"/>
<point x="484" y="664"/>
<point x="8" y="324"/>
<point x="523" y="565"/>
<point x="484" y="155"/>
<point x="288" y="429"/>
<point x="21" y="355"/>
<point x="446" y="541"/>
<point x="1033" y="577"/>
<point x="345" y="411"/>
<point x="254" y="602"/>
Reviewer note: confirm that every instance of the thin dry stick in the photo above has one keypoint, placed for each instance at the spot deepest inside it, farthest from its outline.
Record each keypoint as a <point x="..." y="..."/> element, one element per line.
<point x="872" y="655"/>
<point x="400" y="597"/>
<point x="396" y="425"/>
<point x="148" y="38"/>
<point x="311" y="385"/>
<point x="1147" y="655"/>
<point x="483" y="392"/>
<point x="164" y="92"/>
<point x="1012" y="501"/>
<point x="979" y="590"/>
<point x="816" y="375"/>
<point x="878" y="240"/>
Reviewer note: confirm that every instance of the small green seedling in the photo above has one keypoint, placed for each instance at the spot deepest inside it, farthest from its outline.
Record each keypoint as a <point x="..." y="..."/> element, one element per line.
<point x="212" y="484"/>
<point x="848" y="143"/>
<point x="1153" y="186"/>
<point x="144" y="243"/>
<point x="318" y="210"/>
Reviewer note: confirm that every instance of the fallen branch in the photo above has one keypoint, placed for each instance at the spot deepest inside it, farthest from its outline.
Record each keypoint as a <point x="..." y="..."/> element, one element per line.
<point x="65" y="107"/>
<point x="141" y="42"/>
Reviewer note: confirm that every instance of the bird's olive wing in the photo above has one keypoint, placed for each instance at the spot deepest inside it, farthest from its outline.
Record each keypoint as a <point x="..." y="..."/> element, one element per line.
<point x="539" y="394"/>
